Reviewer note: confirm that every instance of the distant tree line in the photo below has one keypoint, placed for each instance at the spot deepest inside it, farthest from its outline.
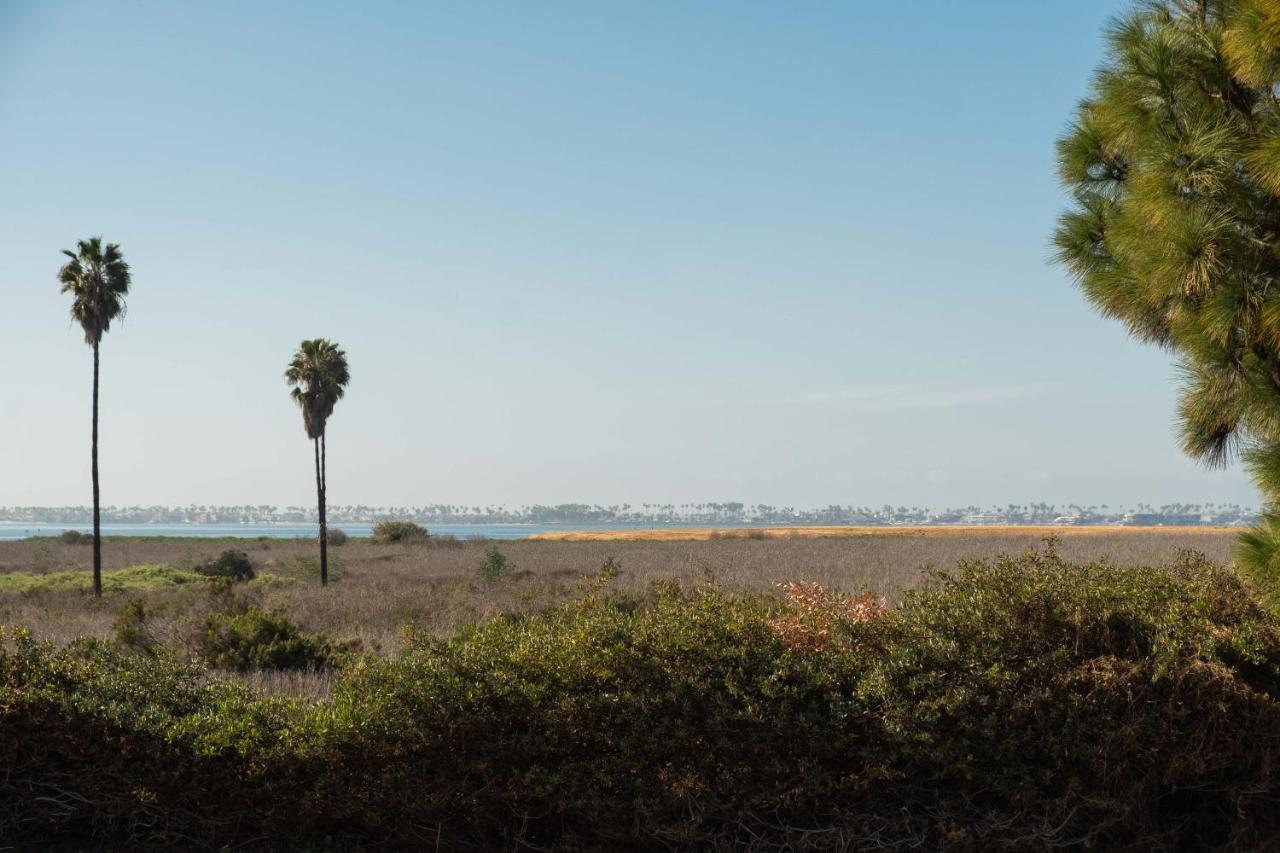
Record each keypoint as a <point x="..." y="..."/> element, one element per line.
<point x="704" y="513"/>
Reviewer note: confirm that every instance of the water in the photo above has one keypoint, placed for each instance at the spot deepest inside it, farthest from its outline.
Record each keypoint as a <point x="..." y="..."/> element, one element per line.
<point x="10" y="530"/>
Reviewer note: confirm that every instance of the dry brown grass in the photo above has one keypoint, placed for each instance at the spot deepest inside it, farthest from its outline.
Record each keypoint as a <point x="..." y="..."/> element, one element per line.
<point x="380" y="588"/>
<point x="276" y="682"/>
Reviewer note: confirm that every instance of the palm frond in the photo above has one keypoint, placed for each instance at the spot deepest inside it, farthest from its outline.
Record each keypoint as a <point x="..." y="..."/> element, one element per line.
<point x="318" y="375"/>
<point x="98" y="280"/>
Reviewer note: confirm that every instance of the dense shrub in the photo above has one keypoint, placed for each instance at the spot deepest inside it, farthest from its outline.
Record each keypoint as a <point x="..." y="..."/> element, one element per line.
<point x="493" y="565"/>
<point x="252" y="638"/>
<point x="336" y="537"/>
<point x="132" y="627"/>
<point x="133" y="579"/>
<point x="1018" y="704"/>
<point x="231" y="563"/>
<point x="387" y="532"/>
<point x="609" y="569"/>
<point x="74" y="537"/>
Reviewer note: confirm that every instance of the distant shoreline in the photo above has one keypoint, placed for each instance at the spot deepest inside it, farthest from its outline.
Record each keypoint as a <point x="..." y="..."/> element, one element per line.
<point x="561" y="532"/>
<point x="698" y="534"/>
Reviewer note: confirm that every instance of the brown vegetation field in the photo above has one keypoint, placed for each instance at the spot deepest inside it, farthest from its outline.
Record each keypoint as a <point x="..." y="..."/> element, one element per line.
<point x="378" y="589"/>
<point x="688" y="718"/>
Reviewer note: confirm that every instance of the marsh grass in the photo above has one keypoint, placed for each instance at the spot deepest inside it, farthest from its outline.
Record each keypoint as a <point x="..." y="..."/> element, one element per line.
<point x="1020" y="703"/>
<point x="315" y="684"/>
<point x="434" y="584"/>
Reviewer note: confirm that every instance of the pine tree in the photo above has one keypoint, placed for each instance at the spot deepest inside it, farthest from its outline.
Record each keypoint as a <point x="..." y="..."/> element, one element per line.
<point x="1173" y="163"/>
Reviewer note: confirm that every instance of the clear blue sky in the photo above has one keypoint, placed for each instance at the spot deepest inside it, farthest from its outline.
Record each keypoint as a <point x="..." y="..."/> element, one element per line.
<point x="785" y="253"/>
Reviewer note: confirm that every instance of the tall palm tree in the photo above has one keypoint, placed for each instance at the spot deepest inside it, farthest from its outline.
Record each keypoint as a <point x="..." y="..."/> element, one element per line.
<point x="98" y="280"/>
<point x="319" y="377"/>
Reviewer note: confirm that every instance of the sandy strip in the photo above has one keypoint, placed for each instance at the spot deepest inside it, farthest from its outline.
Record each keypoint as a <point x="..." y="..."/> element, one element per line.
<point x="938" y="531"/>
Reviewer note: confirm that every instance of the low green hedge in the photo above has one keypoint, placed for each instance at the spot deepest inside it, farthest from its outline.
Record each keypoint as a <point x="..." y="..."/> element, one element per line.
<point x="1019" y="704"/>
<point x="133" y="579"/>
<point x="232" y="564"/>
<point x="252" y="638"/>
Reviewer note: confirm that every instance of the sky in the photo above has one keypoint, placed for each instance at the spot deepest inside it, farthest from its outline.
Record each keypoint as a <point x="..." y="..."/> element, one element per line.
<point x="795" y="254"/>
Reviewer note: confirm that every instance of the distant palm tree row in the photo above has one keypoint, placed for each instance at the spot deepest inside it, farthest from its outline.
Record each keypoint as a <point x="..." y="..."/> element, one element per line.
<point x="98" y="280"/>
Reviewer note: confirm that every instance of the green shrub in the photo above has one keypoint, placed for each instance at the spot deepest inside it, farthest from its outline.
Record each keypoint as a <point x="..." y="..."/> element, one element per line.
<point x="231" y="563"/>
<point x="114" y="581"/>
<point x="336" y="536"/>
<point x="388" y="532"/>
<point x="42" y="559"/>
<point x="609" y="569"/>
<point x="1007" y="703"/>
<point x="74" y="537"/>
<point x="268" y="580"/>
<point x="132" y="628"/>
<point x="256" y="639"/>
<point x="493" y="565"/>
<point x="1017" y="704"/>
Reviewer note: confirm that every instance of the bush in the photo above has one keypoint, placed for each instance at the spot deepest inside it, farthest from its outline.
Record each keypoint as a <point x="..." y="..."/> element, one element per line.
<point x="256" y="639"/>
<point x="1017" y="704"/>
<point x="493" y="565"/>
<point x="132" y="627"/>
<point x="336" y="536"/>
<point x="133" y="579"/>
<point x="387" y="532"/>
<point x="232" y="564"/>
<point x="74" y="537"/>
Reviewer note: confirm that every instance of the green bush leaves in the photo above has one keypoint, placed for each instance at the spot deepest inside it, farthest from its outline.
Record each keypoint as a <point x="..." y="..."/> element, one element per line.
<point x="1022" y="703"/>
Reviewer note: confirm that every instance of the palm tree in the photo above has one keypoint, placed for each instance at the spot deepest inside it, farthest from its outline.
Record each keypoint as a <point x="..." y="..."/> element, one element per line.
<point x="98" y="280"/>
<point x="319" y="376"/>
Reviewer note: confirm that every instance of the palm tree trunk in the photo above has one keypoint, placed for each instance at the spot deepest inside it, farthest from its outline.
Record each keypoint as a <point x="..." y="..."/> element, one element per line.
<point x="324" y="509"/>
<point x="97" y="517"/>
<point x="324" y="534"/>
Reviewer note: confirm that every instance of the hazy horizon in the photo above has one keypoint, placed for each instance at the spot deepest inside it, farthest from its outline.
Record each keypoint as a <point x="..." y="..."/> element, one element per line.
<point x="653" y="509"/>
<point x="635" y="256"/>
